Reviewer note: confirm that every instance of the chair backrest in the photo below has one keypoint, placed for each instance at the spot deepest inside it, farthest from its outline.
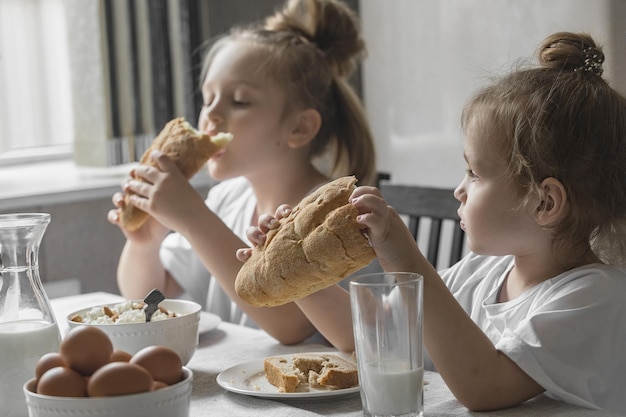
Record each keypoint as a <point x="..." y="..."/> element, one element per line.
<point x="438" y="205"/>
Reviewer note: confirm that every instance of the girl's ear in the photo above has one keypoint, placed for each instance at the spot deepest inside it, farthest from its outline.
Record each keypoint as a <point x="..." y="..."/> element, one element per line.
<point x="307" y="124"/>
<point x="554" y="204"/>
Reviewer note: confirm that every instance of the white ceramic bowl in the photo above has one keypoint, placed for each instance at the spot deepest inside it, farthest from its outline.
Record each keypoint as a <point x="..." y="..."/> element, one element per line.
<point x="178" y="333"/>
<point x="165" y="402"/>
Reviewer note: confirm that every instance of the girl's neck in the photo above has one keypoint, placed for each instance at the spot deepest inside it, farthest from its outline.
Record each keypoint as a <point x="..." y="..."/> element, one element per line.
<point x="290" y="188"/>
<point x="529" y="271"/>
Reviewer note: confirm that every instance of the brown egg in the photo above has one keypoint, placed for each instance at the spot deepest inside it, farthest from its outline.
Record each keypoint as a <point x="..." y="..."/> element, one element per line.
<point x="158" y="385"/>
<point x="119" y="378"/>
<point x="62" y="382"/>
<point x="85" y="349"/>
<point x="120" y="356"/>
<point x="161" y="362"/>
<point x="48" y="361"/>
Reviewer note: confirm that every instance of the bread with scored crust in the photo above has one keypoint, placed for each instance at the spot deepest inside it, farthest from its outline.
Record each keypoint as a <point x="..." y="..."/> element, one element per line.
<point x="189" y="148"/>
<point x="316" y="246"/>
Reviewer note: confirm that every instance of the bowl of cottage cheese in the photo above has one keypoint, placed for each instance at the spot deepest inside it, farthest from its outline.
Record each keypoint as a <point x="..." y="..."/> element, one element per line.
<point x="174" y="325"/>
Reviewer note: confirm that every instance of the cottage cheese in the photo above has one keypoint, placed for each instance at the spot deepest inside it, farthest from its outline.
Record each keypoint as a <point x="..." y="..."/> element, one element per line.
<point x="122" y="313"/>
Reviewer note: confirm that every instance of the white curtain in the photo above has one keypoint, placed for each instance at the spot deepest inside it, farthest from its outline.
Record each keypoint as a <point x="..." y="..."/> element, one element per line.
<point x="35" y="104"/>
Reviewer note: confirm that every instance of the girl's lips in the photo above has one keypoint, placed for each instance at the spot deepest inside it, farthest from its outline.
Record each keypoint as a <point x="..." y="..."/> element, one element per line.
<point x="462" y="224"/>
<point x="219" y="153"/>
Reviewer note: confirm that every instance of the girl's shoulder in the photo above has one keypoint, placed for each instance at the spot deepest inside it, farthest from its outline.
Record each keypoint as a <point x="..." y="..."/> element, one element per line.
<point x="473" y="264"/>
<point x="606" y="281"/>
<point x="476" y="272"/>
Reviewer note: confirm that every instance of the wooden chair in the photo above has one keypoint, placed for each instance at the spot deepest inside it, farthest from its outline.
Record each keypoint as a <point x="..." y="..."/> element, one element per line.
<point x="436" y="204"/>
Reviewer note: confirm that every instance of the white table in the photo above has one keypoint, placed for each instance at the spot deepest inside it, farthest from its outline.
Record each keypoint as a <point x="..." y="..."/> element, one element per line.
<point x="229" y="344"/>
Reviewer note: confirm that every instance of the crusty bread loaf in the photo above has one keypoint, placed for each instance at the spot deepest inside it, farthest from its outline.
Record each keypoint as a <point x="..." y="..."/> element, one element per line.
<point x="316" y="246"/>
<point x="188" y="148"/>
<point x="319" y="370"/>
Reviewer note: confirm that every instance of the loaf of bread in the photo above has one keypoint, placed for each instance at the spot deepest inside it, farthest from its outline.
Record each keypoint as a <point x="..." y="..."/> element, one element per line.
<point x="314" y="247"/>
<point x="188" y="148"/>
<point x="319" y="370"/>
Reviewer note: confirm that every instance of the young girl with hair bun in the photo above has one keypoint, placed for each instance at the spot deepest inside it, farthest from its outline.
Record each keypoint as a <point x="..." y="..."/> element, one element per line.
<point x="539" y="303"/>
<point x="281" y="89"/>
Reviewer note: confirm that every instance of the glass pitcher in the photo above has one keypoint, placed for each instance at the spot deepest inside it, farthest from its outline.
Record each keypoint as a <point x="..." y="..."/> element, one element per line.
<point x="28" y="327"/>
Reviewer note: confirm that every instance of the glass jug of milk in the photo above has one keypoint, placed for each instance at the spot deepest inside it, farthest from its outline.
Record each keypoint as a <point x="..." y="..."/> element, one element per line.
<point x="28" y="328"/>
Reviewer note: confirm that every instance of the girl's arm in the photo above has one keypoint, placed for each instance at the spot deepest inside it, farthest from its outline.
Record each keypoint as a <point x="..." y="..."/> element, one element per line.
<point x="329" y="309"/>
<point x="480" y="376"/>
<point x="170" y="199"/>
<point x="139" y="269"/>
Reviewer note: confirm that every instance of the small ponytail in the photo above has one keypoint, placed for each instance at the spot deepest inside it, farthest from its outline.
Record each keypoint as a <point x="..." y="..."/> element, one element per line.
<point x="321" y="44"/>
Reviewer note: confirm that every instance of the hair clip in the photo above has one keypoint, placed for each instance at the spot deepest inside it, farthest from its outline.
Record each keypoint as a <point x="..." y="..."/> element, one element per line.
<point x="593" y="61"/>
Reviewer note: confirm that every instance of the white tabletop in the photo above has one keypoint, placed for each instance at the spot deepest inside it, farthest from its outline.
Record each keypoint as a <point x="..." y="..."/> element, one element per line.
<point x="230" y="344"/>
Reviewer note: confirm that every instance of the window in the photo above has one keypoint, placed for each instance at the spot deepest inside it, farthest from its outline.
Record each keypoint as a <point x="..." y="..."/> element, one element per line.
<point x="101" y="86"/>
<point x="35" y="106"/>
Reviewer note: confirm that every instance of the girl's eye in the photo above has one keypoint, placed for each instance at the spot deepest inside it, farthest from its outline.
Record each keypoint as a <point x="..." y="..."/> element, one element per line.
<point x="470" y="173"/>
<point x="240" y="103"/>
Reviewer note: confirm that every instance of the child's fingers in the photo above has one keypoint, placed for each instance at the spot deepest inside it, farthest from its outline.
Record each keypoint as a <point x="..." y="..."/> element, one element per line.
<point x="282" y="211"/>
<point x="164" y="162"/>
<point x="118" y="199"/>
<point x="266" y="223"/>
<point x="255" y="236"/>
<point x="113" y="216"/>
<point x="243" y="254"/>
<point x="364" y="190"/>
<point x="369" y="203"/>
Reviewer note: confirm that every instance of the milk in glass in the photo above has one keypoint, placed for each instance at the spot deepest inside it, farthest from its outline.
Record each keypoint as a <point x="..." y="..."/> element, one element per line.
<point x="392" y="388"/>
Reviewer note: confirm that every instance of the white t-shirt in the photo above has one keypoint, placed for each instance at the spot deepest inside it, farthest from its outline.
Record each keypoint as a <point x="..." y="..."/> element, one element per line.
<point x="568" y="333"/>
<point x="234" y="202"/>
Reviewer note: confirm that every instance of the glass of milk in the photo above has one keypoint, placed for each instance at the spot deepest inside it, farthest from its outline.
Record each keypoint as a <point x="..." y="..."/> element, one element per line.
<point x="387" y="319"/>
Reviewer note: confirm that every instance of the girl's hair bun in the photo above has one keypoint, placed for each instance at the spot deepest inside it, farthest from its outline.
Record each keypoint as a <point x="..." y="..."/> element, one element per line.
<point x="328" y="24"/>
<point x="577" y="52"/>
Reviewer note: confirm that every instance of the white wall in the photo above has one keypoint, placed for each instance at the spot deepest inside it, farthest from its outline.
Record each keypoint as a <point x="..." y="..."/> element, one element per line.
<point x="426" y="57"/>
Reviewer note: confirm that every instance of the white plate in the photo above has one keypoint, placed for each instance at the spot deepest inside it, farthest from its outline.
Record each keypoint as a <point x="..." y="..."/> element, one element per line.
<point x="208" y="321"/>
<point x="249" y="378"/>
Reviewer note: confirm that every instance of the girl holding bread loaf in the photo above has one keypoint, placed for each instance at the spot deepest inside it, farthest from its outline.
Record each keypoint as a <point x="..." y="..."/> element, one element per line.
<point x="538" y="305"/>
<point x="281" y="89"/>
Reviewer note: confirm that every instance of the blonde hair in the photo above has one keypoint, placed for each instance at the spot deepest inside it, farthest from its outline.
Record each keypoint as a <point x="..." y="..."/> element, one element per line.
<point x="312" y="47"/>
<point x="561" y="119"/>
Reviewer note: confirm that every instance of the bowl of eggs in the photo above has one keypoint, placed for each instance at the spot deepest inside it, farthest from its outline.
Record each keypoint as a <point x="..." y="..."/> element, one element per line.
<point x="173" y="324"/>
<point x="88" y="377"/>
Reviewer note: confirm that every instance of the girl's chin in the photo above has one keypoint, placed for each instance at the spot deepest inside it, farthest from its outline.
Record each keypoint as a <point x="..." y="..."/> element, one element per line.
<point x="220" y="174"/>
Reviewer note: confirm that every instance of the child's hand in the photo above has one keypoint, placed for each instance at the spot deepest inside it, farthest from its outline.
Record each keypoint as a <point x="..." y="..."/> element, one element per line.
<point x="257" y="234"/>
<point x="163" y="192"/>
<point x="149" y="232"/>
<point x="394" y="244"/>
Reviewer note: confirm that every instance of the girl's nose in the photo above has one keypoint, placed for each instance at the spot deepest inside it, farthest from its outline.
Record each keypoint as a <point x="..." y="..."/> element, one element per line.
<point x="210" y="118"/>
<point x="214" y="112"/>
<point x="459" y="192"/>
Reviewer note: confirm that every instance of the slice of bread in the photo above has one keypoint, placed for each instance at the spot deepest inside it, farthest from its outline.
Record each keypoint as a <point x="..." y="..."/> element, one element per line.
<point x="319" y="370"/>
<point x="281" y="373"/>
<point x="332" y="370"/>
